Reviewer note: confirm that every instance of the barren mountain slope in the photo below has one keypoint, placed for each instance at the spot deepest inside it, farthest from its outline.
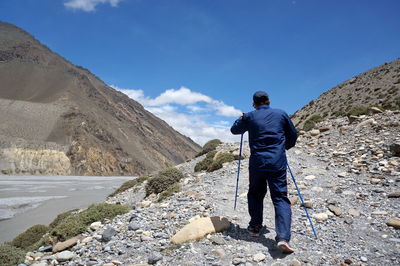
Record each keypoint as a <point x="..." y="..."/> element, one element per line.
<point x="379" y="86"/>
<point x="47" y="103"/>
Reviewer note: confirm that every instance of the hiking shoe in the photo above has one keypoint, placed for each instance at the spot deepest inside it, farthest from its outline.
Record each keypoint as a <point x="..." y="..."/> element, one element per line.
<point x="254" y="230"/>
<point x="284" y="247"/>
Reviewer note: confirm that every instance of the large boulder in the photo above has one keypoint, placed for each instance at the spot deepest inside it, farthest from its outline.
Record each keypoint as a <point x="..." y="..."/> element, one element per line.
<point x="394" y="222"/>
<point x="199" y="228"/>
<point x="60" y="246"/>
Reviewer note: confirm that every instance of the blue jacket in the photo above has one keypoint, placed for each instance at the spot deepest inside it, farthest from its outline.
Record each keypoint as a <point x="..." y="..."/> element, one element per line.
<point x="270" y="132"/>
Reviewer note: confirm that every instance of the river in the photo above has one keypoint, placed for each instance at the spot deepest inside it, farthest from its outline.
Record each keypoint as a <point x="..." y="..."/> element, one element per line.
<point x="30" y="200"/>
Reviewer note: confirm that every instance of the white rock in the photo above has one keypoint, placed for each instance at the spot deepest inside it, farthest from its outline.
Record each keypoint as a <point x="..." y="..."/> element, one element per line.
<point x="321" y="217"/>
<point x="314" y="132"/>
<point x="317" y="189"/>
<point x="310" y="177"/>
<point x="145" y="203"/>
<point x="94" y="226"/>
<point x="65" y="255"/>
<point x="342" y="174"/>
<point x="259" y="257"/>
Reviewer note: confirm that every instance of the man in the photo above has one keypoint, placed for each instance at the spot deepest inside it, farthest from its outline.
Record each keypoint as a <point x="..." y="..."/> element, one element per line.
<point x="271" y="132"/>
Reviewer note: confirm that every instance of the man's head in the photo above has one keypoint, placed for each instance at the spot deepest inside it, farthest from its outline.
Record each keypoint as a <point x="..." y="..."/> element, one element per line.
<point x="260" y="98"/>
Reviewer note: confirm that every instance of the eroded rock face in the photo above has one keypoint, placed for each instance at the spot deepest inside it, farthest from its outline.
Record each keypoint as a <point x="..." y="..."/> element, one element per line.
<point x="44" y="162"/>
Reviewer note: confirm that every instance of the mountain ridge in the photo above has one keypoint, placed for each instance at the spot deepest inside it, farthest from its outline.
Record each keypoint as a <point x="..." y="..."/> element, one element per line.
<point x="378" y="86"/>
<point x="103" y="130"/>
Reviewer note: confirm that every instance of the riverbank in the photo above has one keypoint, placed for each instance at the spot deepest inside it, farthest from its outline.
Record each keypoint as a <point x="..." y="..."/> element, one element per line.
<point x="30" y="200"/>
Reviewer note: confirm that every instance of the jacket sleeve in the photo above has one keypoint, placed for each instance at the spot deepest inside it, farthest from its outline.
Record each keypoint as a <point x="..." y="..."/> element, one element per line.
<point x="240" y="125"/>
<point x="290" y="133"/>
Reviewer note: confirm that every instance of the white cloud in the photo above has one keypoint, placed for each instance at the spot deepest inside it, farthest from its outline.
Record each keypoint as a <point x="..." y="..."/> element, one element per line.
<point x="183" y="96"/>
<point x="89" y="5"/>
<point x="191" y="120"/>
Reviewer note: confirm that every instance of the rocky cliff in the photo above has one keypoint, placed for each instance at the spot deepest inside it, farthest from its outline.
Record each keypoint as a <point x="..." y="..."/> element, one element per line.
<point x="52" y="108"/>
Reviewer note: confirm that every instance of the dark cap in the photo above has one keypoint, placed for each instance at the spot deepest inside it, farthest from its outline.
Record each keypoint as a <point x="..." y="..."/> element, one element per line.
<point x="260" y="97"/>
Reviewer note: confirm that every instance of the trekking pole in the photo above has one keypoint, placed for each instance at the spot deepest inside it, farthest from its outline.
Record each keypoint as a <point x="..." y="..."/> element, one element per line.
<point x="238" y="172"/>
<point x="302" y="201"/>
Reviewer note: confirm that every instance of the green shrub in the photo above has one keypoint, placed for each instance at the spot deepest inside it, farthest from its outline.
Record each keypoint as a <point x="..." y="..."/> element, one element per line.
<point x="10" y="255"/>
<point x="310" y="123"/>
<point x="30" y="236"/>
<point x="78" y="223"/>
<point x="171" y="190"/>
<point x="209" y="146"/>
<point x="61" y="217"/>
<point x="203" y="165"/>
<point x="129" y="184"/>
<point x="221" y="159"/>
<point x="163" y="180"/>
<point x="358" y="110"/>
<point x="172" y="172"/>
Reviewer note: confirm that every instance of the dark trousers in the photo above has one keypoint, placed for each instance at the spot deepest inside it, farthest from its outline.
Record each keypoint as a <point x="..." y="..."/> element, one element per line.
<point x="259" y="181"/>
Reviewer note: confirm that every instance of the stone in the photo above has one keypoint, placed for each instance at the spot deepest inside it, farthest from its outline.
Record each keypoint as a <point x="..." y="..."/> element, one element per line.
<point x="145" y="203"/>
<point x="308" y="204"/>
<point x="348" y="261"/>
<point x="133" y="226"/>
<point x="395" y="149"/>
<point x="374" y="181"/>
<point x="342" y="174"/>
<point x="108" y="234"/>
<point x="237" y="261"/>
<point x="259" y="257"/>
<point x="324" y="129"/>
<point x="45" y="249"/>
<point x="335" y="210"/>
<point x="201" y="227"/>
<point x="94" y="226"/>
<point x="320" y="217"/>
<point x="219" y="252"/>
<point x="317" y="189"/>
<point x="217" y="240"/>
<point x="394" y="222"/>
<point x="375" y="110"/>
<point x="65" y="255"/>
<point x="87" y="239"/>
<point x="293" y="200"/>
<point x="314" y="132"/>
<point x="394" y="195"/>
<point x="145" y="238"/>
<point x="352" y="118"/>
<point x="310" y="177"/>
<point x="363" y="259"/>
<point x="116" y="262"/>
<point x="60" y="246"/>
<point x="294" y="262"/>
<point x="348" y="220"/>
<point x="365" y="123"/>
<point x="353" y="212"/>
<point x="154" y="258"/>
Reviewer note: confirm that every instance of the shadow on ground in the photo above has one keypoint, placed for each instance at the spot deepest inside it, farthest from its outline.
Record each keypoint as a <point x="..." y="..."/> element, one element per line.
<point x="238" y="233"/>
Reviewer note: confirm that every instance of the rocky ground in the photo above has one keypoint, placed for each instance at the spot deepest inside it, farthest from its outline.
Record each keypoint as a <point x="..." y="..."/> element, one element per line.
<point x="348" y="173"/>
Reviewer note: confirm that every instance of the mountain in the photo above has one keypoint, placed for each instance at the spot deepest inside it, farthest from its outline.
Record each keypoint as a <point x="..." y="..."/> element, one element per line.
<point x="58" y="118"/>
<point x="379" y="87"/>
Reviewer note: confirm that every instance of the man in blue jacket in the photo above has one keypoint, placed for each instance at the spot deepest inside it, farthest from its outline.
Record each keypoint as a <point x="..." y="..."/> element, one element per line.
<point x="271" y="132"/>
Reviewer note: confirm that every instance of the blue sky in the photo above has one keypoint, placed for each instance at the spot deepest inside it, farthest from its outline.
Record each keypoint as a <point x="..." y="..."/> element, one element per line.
<point x="196" y="63"/>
